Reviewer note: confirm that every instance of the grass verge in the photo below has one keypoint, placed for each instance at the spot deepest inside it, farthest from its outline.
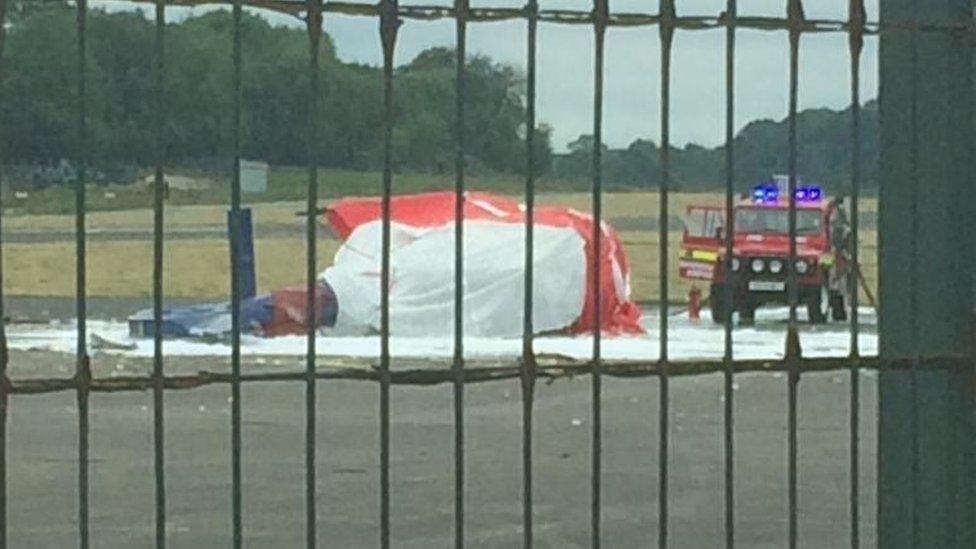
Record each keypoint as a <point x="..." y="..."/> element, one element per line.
<point x="199" y="268"/>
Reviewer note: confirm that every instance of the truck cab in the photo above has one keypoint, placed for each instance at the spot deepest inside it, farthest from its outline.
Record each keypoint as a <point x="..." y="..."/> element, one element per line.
<point x="759" y="270"/>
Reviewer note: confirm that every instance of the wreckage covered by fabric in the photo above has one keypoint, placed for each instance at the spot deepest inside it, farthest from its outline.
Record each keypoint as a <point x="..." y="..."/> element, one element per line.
<point x="348" y="294"/>
<point x="422" y="279"/>
<point x="422" y="263"/>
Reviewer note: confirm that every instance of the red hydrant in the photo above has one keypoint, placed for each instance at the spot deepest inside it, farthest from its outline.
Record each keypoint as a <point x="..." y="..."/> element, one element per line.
<point x="694" y="303"/>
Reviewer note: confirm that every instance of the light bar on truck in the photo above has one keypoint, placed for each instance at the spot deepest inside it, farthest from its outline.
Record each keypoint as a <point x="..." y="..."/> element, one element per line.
<point x="808" y="194"/>
<point x="765" y="193"/>
<point x="769" y="194"/>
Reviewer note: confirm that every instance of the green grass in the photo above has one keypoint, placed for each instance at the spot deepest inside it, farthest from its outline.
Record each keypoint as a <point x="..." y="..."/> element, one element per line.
<point x="199" y="267"/>
<point x="193" y="268"/>
<point x="290" y="184"/>
<point x="285" y="184"/>
<point x="615" y="206"/>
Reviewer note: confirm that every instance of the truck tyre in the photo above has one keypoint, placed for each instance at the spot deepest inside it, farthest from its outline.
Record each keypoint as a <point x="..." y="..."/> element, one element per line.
<point x="721" y="310"/>
<point x="747" y="313"/>
<point x="815" y="307"/>
<point x="838" y="309"/>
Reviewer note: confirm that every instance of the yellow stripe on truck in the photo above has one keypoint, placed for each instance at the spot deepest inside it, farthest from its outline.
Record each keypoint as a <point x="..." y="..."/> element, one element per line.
<point x="704" y="255"/>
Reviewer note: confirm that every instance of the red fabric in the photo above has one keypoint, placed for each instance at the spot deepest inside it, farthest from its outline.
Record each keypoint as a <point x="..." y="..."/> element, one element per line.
<point x="290" y="313"/>
<point x="419" y="210"/>
<point x="618" y="314"/>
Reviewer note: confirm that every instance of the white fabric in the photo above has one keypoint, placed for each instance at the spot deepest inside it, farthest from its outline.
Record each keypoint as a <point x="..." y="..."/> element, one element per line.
<point x="422" y="279"/>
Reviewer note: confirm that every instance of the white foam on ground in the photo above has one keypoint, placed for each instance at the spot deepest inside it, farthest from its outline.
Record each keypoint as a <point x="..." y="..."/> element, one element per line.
<point x="687" y="340"/>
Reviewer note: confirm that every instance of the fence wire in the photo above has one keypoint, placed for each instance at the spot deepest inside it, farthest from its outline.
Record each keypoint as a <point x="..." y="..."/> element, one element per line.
<point x="530" y="367"/>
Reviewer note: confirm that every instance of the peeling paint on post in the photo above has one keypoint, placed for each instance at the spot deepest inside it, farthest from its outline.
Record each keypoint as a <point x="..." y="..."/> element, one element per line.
<point x="925" y="474"/>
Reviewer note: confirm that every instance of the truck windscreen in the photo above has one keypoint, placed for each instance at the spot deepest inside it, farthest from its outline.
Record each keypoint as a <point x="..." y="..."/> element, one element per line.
<point x="776" y="220"/>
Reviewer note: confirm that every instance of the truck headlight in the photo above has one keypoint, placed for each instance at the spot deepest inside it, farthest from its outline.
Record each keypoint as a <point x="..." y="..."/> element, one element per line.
<point x="736" y="264"/>
<point x="775" y="266"/>
<point x="802" y="266"/>
<point x="758" y="265"/>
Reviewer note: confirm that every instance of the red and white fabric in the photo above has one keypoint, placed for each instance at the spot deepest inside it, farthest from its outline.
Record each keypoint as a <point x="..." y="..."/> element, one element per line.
<point x="422" y="268"/>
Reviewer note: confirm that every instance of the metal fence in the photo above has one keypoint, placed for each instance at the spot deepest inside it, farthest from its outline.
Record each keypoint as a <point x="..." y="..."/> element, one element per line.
<point x="390" y="15"/>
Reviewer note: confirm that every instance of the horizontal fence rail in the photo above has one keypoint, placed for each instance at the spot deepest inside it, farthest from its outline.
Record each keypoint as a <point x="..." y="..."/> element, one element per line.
<point x="580" y="17"/>
<point x="530" y="367"/>
<point x="479" y="372"/>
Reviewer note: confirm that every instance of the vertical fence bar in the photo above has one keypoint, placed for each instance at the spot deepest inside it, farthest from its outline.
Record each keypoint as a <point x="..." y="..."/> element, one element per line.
<point x="314" y="27"/>
<point x="857" y="18"/>
<point x="4" y="380"/>
<point x="601" y="17"/>
<point x="796" y="21"/>
<point x="83" y="368"/>
<point x="235" y="283"/>
<point x="795" y="11"/>
<point x="159" y="117"/>
<point x="667" y="14"/>
<point x="528" y="355"/>
<point x="913" y="278"/>
<point x="728" y="365"/>
<point x="461" y="14"/>
<point x="389" y="23"/>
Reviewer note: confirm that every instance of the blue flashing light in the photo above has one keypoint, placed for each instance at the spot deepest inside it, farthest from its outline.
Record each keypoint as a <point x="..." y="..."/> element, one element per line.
<point x="809" y="194"/>
<point x="769" y="194"/>
<point x="765" y="194"/>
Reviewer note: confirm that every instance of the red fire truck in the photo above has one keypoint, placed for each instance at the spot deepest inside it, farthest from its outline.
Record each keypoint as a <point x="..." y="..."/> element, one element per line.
<point x="760" y="263"/>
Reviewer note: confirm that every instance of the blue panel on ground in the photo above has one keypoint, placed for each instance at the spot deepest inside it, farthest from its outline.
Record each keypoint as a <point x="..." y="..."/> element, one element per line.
<point x="212" y="319"/>
<point x="182" y="321"/>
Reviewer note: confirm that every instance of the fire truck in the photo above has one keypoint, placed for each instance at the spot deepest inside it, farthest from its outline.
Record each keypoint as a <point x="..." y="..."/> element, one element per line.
<point x="759" y="270"/>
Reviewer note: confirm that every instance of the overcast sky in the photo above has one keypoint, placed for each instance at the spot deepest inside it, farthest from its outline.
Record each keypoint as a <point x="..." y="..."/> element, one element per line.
<point x="632" y="77"/>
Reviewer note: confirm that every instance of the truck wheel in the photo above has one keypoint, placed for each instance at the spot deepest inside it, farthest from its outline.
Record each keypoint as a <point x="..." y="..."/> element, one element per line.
<point x="747" y="313"/>
<point x="838" y="310"/>
<point x="815" y="307"/>
<point x="721" y="309"/>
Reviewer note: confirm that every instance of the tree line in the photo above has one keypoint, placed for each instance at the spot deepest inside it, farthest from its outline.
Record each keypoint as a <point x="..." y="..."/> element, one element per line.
<point x="39" y="110"/>
<point x="40" y="98"/>
<point x="760" y="150"/>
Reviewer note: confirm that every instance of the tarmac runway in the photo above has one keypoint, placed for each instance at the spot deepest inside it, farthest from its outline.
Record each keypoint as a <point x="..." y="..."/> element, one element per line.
<point x="42" y="461"/>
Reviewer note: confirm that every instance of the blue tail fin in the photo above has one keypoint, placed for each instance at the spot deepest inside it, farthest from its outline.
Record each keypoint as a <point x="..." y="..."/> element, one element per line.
<point x="245" y="251"/>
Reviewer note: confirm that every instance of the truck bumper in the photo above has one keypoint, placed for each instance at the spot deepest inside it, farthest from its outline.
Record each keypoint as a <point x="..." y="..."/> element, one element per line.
<point x="755" y="291"/>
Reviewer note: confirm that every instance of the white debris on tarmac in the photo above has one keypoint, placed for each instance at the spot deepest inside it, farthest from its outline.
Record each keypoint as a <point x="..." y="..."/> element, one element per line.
<point x="687" y="340"/>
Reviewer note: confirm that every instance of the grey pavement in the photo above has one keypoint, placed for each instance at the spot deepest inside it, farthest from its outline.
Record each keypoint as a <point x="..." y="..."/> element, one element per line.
<point x="42" y="466"/>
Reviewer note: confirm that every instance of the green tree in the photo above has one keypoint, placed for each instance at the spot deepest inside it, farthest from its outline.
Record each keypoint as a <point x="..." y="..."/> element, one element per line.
<point x="494" y="114"/>
<point x="40" y="117"/>
<point x="761" y="151"/>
